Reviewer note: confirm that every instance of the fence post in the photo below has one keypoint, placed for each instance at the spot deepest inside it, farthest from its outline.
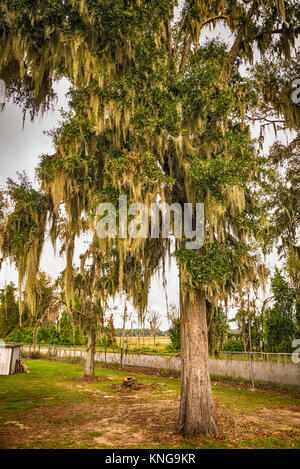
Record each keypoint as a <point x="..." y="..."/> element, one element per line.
<point x="251" y="370"/>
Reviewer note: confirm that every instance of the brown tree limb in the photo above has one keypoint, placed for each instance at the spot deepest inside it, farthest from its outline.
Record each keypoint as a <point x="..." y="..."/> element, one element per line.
<point x="180" y="32"/>
<point x="188" y="41"/>
<point x="213" y="18"/>
<point x="232" y="56"/>
<point x="169" y="36"/>
<point x="185" y="53"/>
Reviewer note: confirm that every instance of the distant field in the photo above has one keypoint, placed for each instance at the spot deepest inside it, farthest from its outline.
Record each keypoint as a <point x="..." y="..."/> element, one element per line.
<point x="137" y="342"/>
<point x="143" y="344"/>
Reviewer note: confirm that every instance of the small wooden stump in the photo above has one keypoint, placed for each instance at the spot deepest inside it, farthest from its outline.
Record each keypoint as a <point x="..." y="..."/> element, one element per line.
<point x="129" y="381"/>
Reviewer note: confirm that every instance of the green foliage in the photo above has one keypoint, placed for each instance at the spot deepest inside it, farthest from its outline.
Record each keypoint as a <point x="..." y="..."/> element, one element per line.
<point x="79" y="337"/>
<point x="66" y="329"/>
<point x="22" y="224"/>
<point x="64" y="333"/>
<point x="21" y="335"/>
<point x="142" y="166"/>
<point x="216" y="262"/>
<point x="233" y="345"/>
<point x="174" y="333"/>
<point x="48" y="335"/>
<point x="218" y="328"/>
<point x="279" y="331"/>
<point x="280" y="320"/>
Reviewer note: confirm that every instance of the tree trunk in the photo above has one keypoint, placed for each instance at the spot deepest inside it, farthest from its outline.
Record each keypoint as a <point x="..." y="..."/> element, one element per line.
<point x="35" y="331"/>
<point x="244" y="335"/>
<point x="124" y="324"/>
<point x="90" y="352"/>
<point x="197" y="415"/>
<point x="250" y="355"/>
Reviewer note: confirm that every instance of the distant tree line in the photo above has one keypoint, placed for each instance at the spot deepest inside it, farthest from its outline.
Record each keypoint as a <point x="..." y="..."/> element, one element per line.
<point x="265" y="329"/>
<point x="140" y="332"/>
<point x="60" y="330"/>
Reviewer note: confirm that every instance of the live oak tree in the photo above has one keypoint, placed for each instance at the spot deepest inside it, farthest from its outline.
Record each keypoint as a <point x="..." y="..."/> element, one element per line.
<point x="156" y="111"/>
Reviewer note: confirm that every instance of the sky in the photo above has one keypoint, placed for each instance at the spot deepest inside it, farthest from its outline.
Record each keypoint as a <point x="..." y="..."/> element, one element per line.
<point x="20" y="149"/>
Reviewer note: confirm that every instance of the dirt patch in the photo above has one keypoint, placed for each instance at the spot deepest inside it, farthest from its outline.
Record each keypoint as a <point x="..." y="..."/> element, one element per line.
<point x="137" y="387"/>
<point x="282" y="419"/>
<point x="89" y="379"/>
<point x="123" y="421"/>
<point x="116" y="434"/>
<point x="275" y="423"/>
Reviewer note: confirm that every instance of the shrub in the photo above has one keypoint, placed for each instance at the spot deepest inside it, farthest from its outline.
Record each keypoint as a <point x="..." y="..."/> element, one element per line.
<point x="233" y="345"/>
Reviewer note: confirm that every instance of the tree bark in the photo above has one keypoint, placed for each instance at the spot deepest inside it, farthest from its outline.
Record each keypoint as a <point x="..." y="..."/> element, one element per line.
<point x="90" y="352"/>
<point x="197" y="415"/>
<point x="35" y="331"/>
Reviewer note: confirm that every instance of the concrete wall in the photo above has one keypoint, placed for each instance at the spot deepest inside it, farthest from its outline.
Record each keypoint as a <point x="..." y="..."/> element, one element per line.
<point x="272" y="372"/>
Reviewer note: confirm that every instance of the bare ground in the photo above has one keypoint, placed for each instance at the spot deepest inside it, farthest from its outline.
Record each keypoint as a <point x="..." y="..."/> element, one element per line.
<point x="132" y="418"/>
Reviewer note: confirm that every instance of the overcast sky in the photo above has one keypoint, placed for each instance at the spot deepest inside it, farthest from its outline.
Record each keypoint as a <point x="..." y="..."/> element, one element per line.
<point x="20" y="150"/>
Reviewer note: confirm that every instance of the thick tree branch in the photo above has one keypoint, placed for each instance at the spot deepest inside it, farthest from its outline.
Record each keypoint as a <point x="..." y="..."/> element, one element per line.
<point x="177" y="40"/>
<point x="232" y="56"/>
<point x="213" y="18"/>
<point x="276" y="31"/>
<point x="235" y="50"/>
<point x="185" y="53"/>
<point x="270" y="121"/>
<point x="188" y="41"/>
<point x="169" y="36"/>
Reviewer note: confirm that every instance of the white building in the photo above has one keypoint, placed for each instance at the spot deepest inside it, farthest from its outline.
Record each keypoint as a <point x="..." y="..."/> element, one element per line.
<point x="9" y="353"/>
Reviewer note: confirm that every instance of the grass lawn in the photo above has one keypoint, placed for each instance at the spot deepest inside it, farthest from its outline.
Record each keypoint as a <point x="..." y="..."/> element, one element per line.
<point x="54" y="407"/>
